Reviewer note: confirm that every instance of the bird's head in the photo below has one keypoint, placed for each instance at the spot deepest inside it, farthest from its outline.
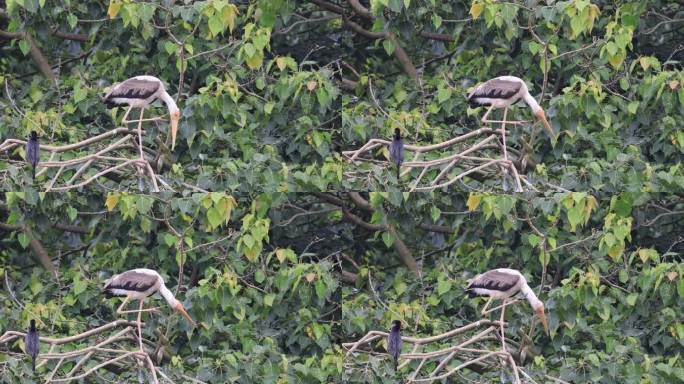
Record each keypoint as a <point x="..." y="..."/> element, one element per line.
<point x="397" y="133"/>
<point x="175" y="116"/>
<point x="539" y="309"/>
<point x="396" y="326"/>
<point x="542" y="117"/>
<point x="178" y="306"/>
<point x="33" y="324"/>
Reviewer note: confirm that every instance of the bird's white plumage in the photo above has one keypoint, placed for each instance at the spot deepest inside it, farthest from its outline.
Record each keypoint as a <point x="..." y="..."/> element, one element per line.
<point x="500" y="84"/>
<point x="115" y="95"/>
<point x="139" y="277"/>
<point x="511" y="279"/>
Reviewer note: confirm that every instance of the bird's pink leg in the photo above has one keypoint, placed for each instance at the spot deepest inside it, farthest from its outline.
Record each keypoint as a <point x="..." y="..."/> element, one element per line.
<point x="120" y="310"/>
<point x="140" y="311"/>
<point x="126" y="121"/>
<point x="484" y="309"/>
<point x="501" y="324"/>
<point x="514" y="122"/>
<point x="484" y="118"/>
<point x="125" y="117"/>
<point x="501" y="306"/>
<point x="153" y="310"/>
<point x="503" y="134"/>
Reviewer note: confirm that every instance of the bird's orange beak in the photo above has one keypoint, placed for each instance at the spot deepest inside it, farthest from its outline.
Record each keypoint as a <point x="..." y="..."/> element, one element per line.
<point x="542" y="318"/>
<point x="175" y="116"/>
<point x="542" y="117"/>
<point x="181" y="310"/>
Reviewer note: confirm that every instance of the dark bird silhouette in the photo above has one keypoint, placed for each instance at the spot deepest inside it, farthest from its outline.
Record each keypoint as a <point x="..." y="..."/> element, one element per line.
<point x="33" y="151"/>
<point x="32" y="343"/>
<point x="394" y="342"/>
<point x="397" y="150"/>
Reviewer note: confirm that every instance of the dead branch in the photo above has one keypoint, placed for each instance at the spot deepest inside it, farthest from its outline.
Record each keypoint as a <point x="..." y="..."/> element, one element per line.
<point x="476" y="153"/>
<point x="103" y="158"/>
<point x="458" y="346"/>
<point x="105" y="349"/>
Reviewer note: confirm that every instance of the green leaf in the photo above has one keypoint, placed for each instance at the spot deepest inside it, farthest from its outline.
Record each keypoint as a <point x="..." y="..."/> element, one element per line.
<point x="24" y="46"/>
<point x="443" y="286"/>
<point x="443" y="95"/>
<point x="216" y="25"/>
<point x="79" y="286"/>
<point x="214" y="217"/>
<point x="533" y="239"/>
<point x="631" y="299"/>
<point x="268" y="299"/>
<point x="170" y="240"/>
<point x="79" y="93"/>
<point x="388" y="239"/>
<point x="632" y="107"/>
<point x="24" y="239"/>
<point x="72" y="213"/>
<point x="259" y="276"/>
<point x="71" y="19"/>
<point x="389" y="47"/>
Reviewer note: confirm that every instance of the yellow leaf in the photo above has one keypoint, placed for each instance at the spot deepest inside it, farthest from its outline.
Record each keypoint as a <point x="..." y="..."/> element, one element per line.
<point x="616" y="60"/>
<point x="311" y="85"/>
<point x="672" y="275"/>
<point x="229" y="14"/>
<point x="310" y="277"/>
<point x="476" y="9"/>
<point x="645" y="62"/>
<point x="473" y="201"/>
<point x="280" y="254"/>
<point x="281" y="63"/>
<point x="114" y="7"/>
<point x="673" y="84"/>
<point x="112" y="200"/>
<point x="644" y="254"/>
<point x="254" y="62"/>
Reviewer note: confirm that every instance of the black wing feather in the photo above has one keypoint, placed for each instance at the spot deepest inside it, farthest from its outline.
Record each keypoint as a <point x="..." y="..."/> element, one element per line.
<point x="493" y="89"/>
<point x="130" y="281"/>
<point x="493" y="280"/>
<point x="131" y="89"/>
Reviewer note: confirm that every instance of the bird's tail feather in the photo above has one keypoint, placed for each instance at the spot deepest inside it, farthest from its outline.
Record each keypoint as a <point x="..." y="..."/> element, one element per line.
<point x="34" y="173"/>
<point x="34" y="364"/>
<point x="398" y="171"/>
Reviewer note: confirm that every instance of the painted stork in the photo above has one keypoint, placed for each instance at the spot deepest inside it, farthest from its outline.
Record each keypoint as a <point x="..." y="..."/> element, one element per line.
<point x="503" y="283"/>
<point x="33" y="152"/>
<point x="138" y="284"/>
<point x="32" y="343"/>
<point x="397" y="150"/>
<point x="502" y="92"/>
<point x="139" y="92"/>
<point x="394" y="342"/>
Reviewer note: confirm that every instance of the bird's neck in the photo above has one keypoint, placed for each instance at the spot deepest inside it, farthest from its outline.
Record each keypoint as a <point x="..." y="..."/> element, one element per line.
<point x="167" y="295"/>
<point x="168" y="100"/>
<point x="531" y="102"/>
<point x="530" y="296"/>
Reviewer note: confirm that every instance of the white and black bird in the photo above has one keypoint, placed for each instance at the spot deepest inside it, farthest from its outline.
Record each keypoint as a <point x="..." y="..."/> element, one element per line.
<point x="139" y="92"/>
<point x="394" y="342"/>
<point x="32" y="343"/>
<point x="397" y="150"/>
<point x="502" y="92"/>
<point x="503" y="283"/>
<point x="33" y="152"/>
<point x="138" y="284"/>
